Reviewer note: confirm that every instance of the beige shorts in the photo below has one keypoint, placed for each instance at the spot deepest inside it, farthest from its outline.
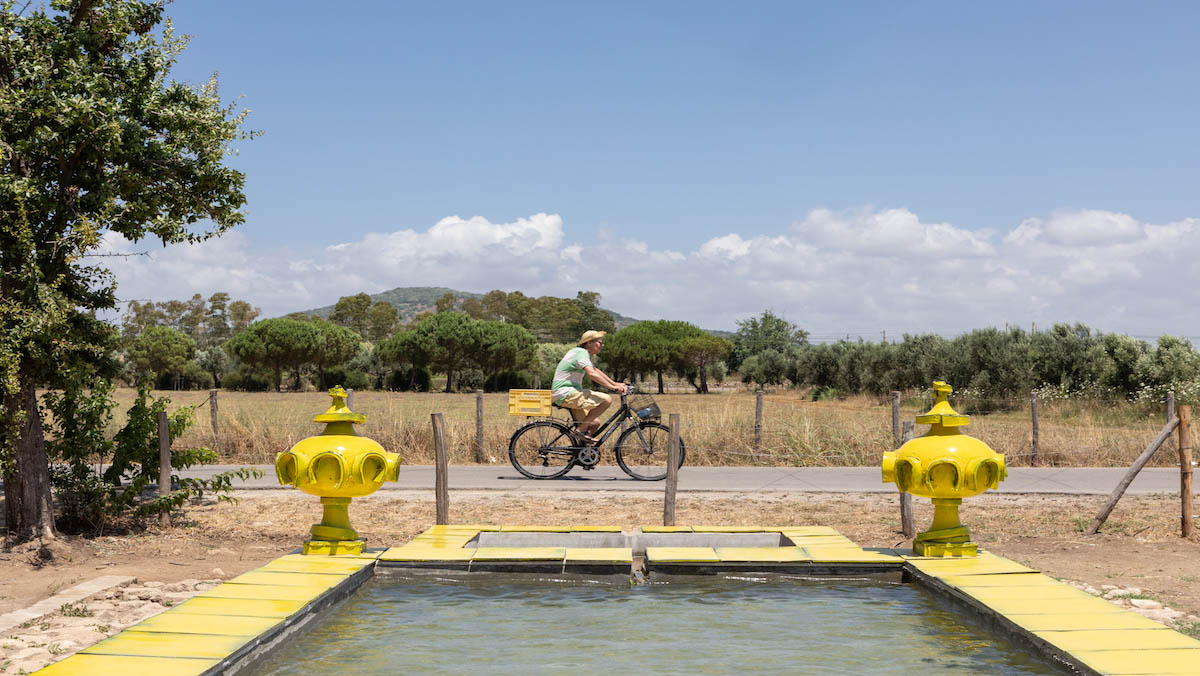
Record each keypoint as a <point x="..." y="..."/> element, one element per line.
<point x="583" y="401"/>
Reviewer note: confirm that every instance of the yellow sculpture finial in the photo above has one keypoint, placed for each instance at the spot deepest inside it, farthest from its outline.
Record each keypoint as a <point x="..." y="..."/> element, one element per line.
<point x="339" y="412"/>
<point x="942" y="413"/>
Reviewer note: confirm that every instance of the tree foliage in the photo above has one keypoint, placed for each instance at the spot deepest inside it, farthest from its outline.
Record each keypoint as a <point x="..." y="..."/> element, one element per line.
<point x="381" y="321"/>
<point x="335" y="345"/>
<point x="277" y="344"/>
<point x="160" y="350"/>
<point x="94" y="138"/>
<point x="648" y="347"/>
<point x="352" y="312"/>
<point x="768" y="332"/>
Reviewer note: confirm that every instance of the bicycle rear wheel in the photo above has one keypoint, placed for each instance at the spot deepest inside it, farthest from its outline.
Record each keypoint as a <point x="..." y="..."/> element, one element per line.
<point x="542" y="449"/>
<point x="642" y="451"/>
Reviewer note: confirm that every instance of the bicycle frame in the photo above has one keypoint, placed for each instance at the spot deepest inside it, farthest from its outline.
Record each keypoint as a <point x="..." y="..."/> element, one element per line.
<point x="622" y="411"/>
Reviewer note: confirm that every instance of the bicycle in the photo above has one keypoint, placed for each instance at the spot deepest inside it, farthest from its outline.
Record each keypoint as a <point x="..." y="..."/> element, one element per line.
<point x="548" y="448"/>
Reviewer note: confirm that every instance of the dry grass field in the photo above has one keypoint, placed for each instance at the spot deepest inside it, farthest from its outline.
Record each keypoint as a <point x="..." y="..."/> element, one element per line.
<point x="717" y="428"/>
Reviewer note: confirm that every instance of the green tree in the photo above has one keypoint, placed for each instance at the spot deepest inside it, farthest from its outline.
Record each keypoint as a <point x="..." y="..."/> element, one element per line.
<point x="1114" y="361"/>
<point x="94" y="137"/>
<point x="591" y="316"/>
<point x="495" y="305"/>
<point x="160" y="350"/>
<point x="1060" y="356"/>
<point x="215" y="360"/>
<point x="446" y="303"/>
<point x="504" y="347"/>
<point x="140" y="316"/>
<point x="277" y="344"/>
<point x="1172" y="362"/>
<point x="407" y="349"/>
<point x="187" y="316"/>
<point x="474" y="308"/>
<point x="647" y="346"/>
<point x="700" y="353"/>
<point x="381" y="321"/>
<point x="241" y="316"/>
<point x="351" y="312"/>
<point x="768" y="367"/>
<point x="336" y="345"/>
<point x="768" y="332"/>
<point x="216" y="320"/>
<point x="452" y="342"/>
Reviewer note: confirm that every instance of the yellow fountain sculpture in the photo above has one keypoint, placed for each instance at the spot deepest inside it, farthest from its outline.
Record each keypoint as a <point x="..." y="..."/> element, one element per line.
<point x="946" y="466"/>
<point x="336" y="465"/>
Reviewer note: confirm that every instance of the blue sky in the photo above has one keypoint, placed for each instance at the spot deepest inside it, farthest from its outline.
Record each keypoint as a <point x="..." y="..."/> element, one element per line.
<point x="651" y="130"/>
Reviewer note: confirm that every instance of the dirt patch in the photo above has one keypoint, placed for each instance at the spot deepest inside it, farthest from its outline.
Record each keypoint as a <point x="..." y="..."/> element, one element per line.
<point x="1140" y="548"/>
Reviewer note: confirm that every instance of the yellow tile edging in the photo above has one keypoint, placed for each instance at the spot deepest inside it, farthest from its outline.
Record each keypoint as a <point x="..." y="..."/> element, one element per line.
<point x="219" y="626"/>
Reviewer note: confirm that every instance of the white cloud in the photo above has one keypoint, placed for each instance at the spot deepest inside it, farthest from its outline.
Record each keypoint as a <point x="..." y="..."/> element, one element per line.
<point x="832" y="272"/>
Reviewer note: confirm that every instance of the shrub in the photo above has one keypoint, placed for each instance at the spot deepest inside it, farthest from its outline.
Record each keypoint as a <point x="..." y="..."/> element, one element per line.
<point x="89" y="499"/>
<point x="411" y="379"/>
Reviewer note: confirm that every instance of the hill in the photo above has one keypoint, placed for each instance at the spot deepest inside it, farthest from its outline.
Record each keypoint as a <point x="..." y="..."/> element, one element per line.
<point x="409" y="300"/>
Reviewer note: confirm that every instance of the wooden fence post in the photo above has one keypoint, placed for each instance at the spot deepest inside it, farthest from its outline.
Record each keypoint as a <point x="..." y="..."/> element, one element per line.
<point x="906" y="511"/>
<point x="1170" y="405"/>
<point x="164" y="463"/>
<point x="479" y="426"/>
<point x="758" y="421"/>
<point x="441" y="485"/>
<point x="212" y="416"/>
<point x="895" y="419"/>
<point x="672" y="471"/>
<point x="1033" y="407"/>
<point x="1137" y="466"/>
<point x="350" y="399"/>
<point x="1185" y="469"/>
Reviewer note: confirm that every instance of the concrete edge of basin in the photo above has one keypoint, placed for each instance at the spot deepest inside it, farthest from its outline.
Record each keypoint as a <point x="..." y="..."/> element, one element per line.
<point x="244" y="659"/>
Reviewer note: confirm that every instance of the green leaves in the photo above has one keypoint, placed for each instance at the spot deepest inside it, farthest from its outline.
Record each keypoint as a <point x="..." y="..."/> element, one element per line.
<point x="277" y="344"/>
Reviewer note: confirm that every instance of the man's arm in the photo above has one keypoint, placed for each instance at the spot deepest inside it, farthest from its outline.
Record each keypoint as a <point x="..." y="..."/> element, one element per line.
<point x="599" y="378"/>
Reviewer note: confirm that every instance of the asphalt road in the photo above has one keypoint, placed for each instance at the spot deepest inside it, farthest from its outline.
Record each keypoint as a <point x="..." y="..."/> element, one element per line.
<point x="1045" y="480"/>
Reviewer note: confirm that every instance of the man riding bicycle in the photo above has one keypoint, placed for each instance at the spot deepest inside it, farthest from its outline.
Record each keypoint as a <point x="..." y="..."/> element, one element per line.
<point x="585" y="405"/>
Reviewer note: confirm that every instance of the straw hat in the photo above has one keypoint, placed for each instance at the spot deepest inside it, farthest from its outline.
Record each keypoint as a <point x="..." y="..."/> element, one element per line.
<point x="589" y="336"/>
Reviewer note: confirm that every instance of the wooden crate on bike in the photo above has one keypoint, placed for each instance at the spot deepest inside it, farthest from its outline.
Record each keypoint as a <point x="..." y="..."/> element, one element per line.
<point x="533" y="403"/>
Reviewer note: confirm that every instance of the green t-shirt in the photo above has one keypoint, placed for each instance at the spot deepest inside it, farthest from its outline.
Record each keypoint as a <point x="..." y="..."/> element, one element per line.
<point x="568" y="377"/>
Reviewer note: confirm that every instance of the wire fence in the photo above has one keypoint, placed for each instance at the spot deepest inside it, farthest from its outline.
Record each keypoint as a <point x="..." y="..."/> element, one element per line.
<point x="718" y="429"/>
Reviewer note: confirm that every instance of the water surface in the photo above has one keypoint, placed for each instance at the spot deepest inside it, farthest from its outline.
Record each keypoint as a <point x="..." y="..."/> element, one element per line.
<point x="749" y="625"/>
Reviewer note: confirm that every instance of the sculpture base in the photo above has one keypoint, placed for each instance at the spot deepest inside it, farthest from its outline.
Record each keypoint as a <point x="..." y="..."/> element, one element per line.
<point x="954" y="541"/>
<point x="945" y="549"/>
<point x="334" y="547"/>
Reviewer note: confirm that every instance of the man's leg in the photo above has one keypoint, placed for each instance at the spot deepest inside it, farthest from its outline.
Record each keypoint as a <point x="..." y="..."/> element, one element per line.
<point x="591" y="421"/>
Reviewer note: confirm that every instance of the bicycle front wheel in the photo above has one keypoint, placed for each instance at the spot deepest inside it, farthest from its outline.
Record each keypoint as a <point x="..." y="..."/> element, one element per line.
<point x="642" y="451"/>
<point x="543" y="449"/>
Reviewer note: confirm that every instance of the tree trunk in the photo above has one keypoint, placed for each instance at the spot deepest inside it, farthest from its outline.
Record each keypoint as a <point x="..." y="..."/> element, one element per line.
<point x="278" y="377"/>
<point x="703" y="379"/>
<point x="660" y="383"/>
<point x="27" y="499"/>
<point x="449" y="378"/>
